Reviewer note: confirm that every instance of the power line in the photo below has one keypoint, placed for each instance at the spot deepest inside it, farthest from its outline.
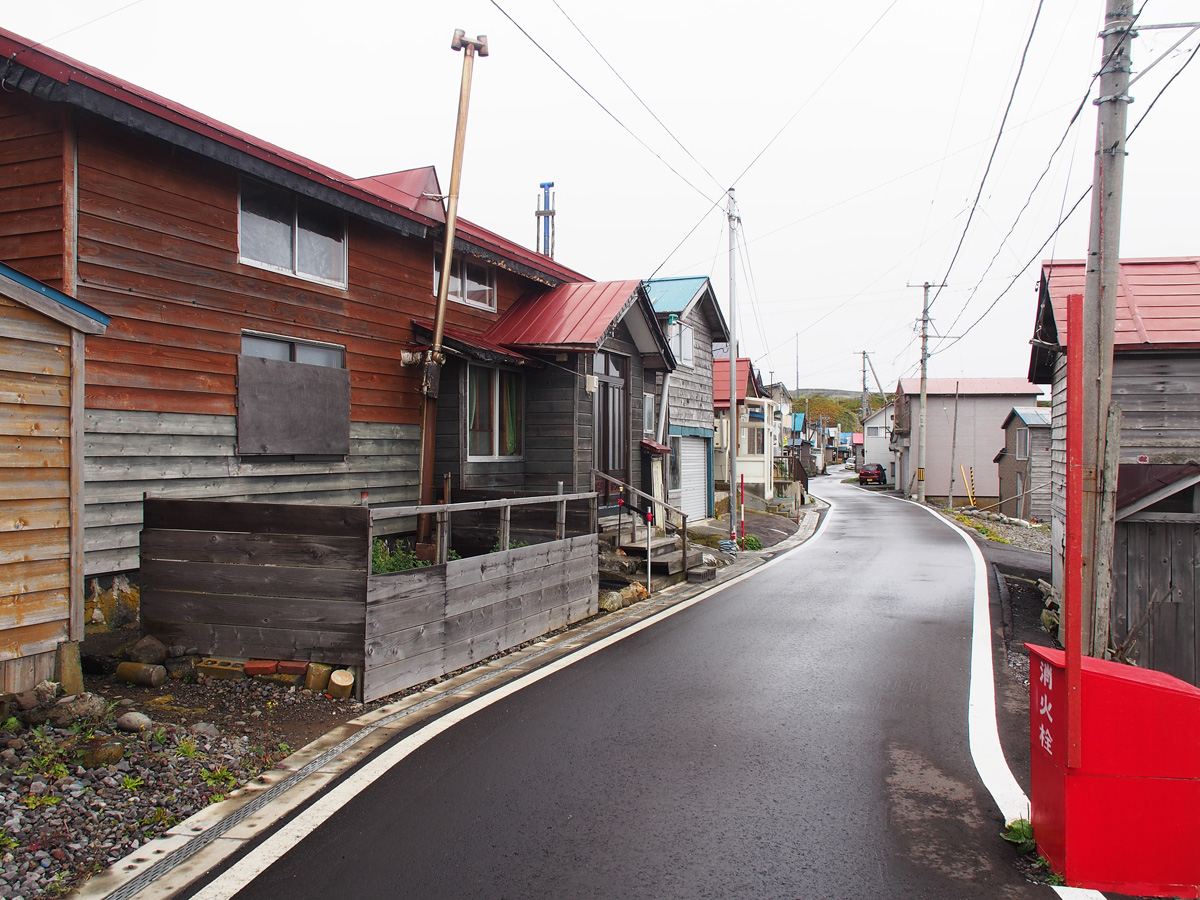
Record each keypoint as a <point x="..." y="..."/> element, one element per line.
<point x="814" y="93"/>
<point x="991" y="157"/>
<point x="592" y="97"/>
<point x="635" y="94"/>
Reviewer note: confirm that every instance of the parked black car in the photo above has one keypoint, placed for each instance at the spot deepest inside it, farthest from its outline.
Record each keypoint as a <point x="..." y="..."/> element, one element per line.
<point x="872" y="473"/>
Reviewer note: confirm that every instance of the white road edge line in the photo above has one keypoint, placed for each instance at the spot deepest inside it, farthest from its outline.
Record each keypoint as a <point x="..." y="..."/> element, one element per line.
<point x="262" y="857"/>
<point x="986" y="751"/>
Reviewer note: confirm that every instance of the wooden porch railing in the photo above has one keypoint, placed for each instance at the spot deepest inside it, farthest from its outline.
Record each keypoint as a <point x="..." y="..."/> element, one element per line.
<point x="681" y="528"/>
<point x="444" y="511"/>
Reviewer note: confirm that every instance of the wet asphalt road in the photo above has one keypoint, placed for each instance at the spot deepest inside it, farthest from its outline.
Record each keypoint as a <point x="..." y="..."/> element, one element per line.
<point x="801" y="734"/>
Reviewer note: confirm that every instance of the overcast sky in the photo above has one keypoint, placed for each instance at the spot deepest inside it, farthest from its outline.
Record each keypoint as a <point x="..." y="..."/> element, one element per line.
<point x="856" y="136"/>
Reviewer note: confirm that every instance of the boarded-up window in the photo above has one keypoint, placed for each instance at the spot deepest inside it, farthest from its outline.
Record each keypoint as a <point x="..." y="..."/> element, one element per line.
<point x="293" y="398"/>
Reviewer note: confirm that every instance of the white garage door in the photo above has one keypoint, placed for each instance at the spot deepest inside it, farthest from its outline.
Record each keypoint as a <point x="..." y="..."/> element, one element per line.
<point x="694" y="475"/>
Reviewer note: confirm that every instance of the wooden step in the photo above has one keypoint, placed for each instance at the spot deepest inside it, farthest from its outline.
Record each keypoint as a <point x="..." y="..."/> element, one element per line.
<point x="659" y="546"/>
<point x="672" y="563"/>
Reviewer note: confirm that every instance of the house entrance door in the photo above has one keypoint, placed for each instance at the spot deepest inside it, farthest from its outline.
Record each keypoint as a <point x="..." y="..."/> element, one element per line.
<point x="610" y="453"/>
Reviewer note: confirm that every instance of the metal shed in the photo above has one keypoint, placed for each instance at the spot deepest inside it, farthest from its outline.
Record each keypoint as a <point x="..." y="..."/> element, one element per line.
<point x="41" y="474"/>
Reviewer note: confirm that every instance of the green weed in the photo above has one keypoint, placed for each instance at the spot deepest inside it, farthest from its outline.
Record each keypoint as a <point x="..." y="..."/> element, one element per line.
<point x="187" y="749"/>
<point x="131" y="782"/>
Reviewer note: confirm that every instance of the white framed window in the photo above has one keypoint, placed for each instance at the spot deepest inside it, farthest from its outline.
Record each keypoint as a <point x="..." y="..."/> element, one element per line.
<point x="313" y="353"/>
<point x="874" y="430"/>
<point x="471" y="282"/>
<point x="1022" y="443"/>
<point x="647" y="413"/>
<point x="683" y="344"/>
<point x="284" y="233"/>
<point x="495" y="413"/>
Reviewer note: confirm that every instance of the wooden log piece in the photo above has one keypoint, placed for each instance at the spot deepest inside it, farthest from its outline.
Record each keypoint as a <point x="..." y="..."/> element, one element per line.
<point x="341" y="683"/>
<point x="317" y="676"/>
<point x="141" y="673"/>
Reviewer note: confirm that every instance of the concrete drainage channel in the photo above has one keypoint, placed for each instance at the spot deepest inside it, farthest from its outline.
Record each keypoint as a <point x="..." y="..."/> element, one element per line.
<point x="167" y="865"/>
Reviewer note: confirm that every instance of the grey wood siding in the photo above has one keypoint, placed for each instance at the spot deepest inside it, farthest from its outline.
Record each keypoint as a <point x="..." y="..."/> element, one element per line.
<point x="552" y="445"/>
<point x="130" y="454"/>
<point x="691" y="394"/>
<point x="1156" y="562"/>
<point x="1159" y="396"/>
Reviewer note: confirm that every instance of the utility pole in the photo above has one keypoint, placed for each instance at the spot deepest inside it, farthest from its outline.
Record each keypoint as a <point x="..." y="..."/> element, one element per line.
<point x="866" y="408"/>
<point x="924" y="390"/>
<point x="734" y="425"/>
<point x="434" y="359"/>
<point x="1099" y="320"/>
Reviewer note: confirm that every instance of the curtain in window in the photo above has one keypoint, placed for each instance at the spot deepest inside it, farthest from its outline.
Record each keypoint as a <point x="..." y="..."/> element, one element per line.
<point x="479" y="411"/>
<point x="510" y="414"/>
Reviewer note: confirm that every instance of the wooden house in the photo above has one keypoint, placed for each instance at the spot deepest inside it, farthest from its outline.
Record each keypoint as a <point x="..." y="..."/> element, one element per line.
<point x="755" y="417"/>
<point x="261" y="307"/>
<point x="688" y="312"/>
<point x="962" y="416"/>
<point x="1156" y="382"/>
<point x="1023" y="464"/>
<point x="42" y="338"/>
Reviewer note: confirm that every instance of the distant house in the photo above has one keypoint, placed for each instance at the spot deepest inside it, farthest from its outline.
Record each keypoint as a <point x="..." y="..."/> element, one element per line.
<point x="877" y="430"/>
<point x="1156" y="382"/>
<point x="963" y="417"/>
<point x="1024" y="464"/>
<point x="755" y="417"/>
<point x="42" y="336"/>
<point x="689" y="315"/>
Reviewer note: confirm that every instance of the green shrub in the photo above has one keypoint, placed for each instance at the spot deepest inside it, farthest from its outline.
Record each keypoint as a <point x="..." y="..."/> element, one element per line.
<point x="750" y="542"/>
<point x="395" y="557"/>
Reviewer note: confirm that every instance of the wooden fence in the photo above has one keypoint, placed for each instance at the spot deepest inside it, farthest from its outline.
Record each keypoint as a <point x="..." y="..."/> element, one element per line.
<point x="1155" y="592"/>
<point x="290" y="581"/>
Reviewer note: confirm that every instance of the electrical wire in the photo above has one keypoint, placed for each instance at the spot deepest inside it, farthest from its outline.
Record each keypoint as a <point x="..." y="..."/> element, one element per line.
<point x="73" y="30"/>
<point x="814" y="93"/>
<point x="654" y="115"/>
<point x="992" y="156"/>
<point x="606" y="110"/>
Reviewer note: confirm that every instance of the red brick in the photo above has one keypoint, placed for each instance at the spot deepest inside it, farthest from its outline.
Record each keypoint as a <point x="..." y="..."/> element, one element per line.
<point x="291" y="667"/>
<point x="260" y="667"/>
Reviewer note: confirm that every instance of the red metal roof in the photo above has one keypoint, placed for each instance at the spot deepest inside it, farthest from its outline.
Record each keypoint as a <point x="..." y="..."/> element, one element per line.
<point x="399" y="192"/>
<point x="474" y="343"/>
<point x="415" y="189"/>
<point x="721" y="381"/>
<point x="570" y="316"/>
<point x="1158" y="300"/>
<point x="966" y="386"/>
<point x="503" y="247"/>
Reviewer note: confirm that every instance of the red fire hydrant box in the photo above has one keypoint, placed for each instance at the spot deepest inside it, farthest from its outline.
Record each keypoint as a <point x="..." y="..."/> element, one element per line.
<point x="1127" y="819"/>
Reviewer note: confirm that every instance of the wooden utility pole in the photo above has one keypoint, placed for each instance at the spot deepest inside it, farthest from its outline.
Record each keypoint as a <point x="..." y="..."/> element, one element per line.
<point x="734" y="424"/>
<point x="1095" y="357"/>
<point x="924" y="395"/>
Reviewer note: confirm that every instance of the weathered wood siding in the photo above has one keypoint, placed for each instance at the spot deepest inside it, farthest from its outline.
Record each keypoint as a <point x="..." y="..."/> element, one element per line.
<point x="558" y="436"/>
<point x="690" y="400"/>
<point x="1034" y="472"/>
<point x="1156" y="562"/>
<point x="31" y="188"/>
<point x="35" y="482"/>
<point x="173" y="455"/>
<point x="427" y="622"/>
<point x="266" y="580"/>
<point x="1159" y="396"/>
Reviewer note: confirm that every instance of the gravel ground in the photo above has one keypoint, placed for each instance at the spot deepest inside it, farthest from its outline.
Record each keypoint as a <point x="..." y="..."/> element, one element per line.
<point x="1004" y="530"/>
<point x="63" y="820"/>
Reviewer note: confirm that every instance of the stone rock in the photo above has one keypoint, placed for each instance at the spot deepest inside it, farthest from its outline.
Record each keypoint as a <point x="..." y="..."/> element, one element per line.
<point x="149" y="650"/>
<point x="26" y="700"/>
<point x="205" y="728"/>
<point x="181" y="668"/>
<point x="610" y="601"/>
<point x="102" y="753"/>
<point x="176" y="650"/>
<point x="76" y="708"/>
<point x="46" y="692"/>
<point x="134" y="721"/>
<point x="634" y="593"/>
